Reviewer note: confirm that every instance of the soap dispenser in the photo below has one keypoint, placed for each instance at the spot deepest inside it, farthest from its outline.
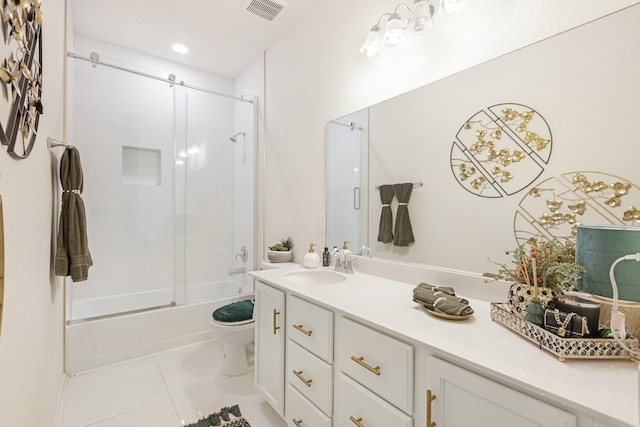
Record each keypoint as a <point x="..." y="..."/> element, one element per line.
<point x="311" y="259"/>
<point x="345" y="249"/>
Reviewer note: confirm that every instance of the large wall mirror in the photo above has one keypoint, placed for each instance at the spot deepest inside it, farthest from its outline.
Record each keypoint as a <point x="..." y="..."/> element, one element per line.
<point x="564" y="106"/>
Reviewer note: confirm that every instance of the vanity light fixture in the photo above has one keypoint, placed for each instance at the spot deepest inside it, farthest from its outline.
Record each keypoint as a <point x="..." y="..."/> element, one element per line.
<point x="416" y="20"/>
<point x="180" y="48"/>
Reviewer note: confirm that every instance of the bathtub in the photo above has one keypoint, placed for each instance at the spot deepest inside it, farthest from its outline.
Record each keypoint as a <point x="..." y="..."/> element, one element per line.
<point x="104" y="341"/>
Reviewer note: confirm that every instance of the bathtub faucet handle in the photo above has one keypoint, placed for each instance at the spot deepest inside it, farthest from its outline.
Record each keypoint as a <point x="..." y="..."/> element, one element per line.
<point x="243" y="254"/>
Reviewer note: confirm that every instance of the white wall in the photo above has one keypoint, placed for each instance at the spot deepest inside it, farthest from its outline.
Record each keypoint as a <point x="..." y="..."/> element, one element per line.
<point x="315" y="74"/>
<point x="31" y="340"/>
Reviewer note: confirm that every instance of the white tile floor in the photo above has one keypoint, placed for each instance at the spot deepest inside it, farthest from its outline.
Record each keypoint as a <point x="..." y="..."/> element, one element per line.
<point x="163" y="391"/>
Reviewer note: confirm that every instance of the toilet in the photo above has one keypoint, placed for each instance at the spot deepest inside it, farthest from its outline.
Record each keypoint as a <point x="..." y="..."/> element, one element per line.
<point x="233" y="325"/>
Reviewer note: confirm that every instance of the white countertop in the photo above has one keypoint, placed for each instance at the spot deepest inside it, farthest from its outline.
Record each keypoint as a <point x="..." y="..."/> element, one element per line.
<point x="605" y="389"/>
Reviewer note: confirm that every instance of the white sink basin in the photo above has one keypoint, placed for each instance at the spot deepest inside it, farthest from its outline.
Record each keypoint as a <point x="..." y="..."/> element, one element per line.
<point x="315" y="277"/>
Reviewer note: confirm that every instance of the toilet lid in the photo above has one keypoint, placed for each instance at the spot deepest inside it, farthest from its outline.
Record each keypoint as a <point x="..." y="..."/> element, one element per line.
<point x="235" y="313"/>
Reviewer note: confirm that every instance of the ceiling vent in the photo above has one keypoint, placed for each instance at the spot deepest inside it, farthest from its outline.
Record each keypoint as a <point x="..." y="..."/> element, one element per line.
<point x="265" y="9"/>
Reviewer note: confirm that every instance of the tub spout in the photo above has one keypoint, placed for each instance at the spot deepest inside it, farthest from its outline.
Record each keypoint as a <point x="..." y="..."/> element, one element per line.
<point x="235" y="271"/>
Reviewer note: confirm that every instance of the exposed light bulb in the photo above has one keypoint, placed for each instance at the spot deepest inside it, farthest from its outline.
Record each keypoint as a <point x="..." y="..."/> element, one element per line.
<point x="421" y="21"/>
<point x="394" y="33"/>
<point x="193" y="149"/>
<point x="371" y="46"/>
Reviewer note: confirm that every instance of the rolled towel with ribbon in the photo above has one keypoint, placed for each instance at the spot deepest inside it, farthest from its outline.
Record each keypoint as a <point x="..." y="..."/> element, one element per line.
<point x="446" y="289"/>
<point x="430" y="296"/>
<point x="444" y="303"/>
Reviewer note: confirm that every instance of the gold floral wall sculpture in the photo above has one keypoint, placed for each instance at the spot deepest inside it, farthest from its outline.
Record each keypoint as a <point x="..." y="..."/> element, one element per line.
<point x="501" y="150"/>
<point x="557" y="206"/>
<point x="20" y="75"/>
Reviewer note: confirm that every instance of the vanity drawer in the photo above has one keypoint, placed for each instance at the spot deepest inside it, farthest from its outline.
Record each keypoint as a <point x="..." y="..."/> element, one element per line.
<point x="379" y="362"/>
<point x="302" y="413"/>
<point x="311" y="376"/>
<point x="354" y="402"/>
<point x="311" y="327"/>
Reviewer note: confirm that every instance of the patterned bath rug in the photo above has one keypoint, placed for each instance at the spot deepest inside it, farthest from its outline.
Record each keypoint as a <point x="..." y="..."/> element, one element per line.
<point x="226" y="417"/>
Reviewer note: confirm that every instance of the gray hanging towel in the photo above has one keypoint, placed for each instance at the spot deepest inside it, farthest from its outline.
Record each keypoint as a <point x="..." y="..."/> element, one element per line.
<point x="385" y="233"/>
<point x="403" y="234"/>
<point x="72" y="254"/>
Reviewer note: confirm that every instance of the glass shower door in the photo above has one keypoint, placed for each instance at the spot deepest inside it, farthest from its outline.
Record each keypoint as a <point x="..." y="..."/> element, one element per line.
<point x="123" y="127"/>
<point x="169" y="196"/>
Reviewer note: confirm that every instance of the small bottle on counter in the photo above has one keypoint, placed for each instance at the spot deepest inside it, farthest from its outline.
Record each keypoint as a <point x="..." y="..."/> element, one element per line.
<point x="325" y="257"/>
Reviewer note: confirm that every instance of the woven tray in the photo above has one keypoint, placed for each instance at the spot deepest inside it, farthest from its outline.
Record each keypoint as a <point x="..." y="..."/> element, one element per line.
<point x="563" y="348"/>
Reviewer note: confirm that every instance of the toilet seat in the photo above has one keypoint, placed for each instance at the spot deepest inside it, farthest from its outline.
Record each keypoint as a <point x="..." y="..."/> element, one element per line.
<point x="238" y="323"/>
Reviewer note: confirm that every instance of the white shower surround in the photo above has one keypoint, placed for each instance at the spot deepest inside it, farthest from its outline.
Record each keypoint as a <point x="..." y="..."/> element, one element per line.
<point x="103" y="341"/>
<point x="137" y="231"/>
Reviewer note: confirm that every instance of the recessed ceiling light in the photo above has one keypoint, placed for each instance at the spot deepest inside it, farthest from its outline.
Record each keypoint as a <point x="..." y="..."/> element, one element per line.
<point x="180" y="48"/>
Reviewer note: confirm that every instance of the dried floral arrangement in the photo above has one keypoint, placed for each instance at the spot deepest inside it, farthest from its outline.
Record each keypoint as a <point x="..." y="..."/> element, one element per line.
<point x="548" y="264"/>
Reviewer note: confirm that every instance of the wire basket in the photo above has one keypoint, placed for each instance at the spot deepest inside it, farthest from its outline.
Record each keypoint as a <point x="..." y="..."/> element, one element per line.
<point x="563" y="348"/>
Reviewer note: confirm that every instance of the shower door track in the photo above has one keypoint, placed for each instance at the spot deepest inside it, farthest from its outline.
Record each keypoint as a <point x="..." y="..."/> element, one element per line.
<point x="120" y="313"/>
<point x="96" y="60"/>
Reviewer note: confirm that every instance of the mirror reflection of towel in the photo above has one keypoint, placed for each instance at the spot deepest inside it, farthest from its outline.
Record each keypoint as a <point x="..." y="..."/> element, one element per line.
<point x="72" y="252"/>
<point x="385" y="234"/>
<point x="403" y="234"/>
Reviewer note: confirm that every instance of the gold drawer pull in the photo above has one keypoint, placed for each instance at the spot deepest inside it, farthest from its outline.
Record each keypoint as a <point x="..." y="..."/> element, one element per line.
<point x="298" y="423"/>
<point x="304" y="331"/>
<point x="303" y="379"/>
<point x="360" y="361"/>
<point x="275" y="314"/>
<point x="430" y="398"/>
<point x="356" y="421"/>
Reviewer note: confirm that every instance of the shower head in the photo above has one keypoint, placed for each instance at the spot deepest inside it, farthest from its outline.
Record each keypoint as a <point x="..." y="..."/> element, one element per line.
<point x="234" y="138"/>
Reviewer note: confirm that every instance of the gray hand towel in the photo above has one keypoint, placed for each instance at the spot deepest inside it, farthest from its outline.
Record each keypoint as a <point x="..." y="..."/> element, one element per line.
<point x="444" y="303"/>
<point x="385" y="234"/>
<point x="72" y="254"/>
<point x="403" y="233"/>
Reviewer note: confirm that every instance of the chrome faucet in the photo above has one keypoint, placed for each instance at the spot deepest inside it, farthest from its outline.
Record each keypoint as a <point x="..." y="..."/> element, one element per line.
<point x="235" y="271"/>
<point x="344" y="261"/>
<point x="243" y="254"/>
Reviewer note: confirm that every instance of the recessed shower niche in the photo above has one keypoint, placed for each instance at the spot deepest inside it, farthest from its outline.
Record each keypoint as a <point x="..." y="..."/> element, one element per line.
<point x="141" y="166"/>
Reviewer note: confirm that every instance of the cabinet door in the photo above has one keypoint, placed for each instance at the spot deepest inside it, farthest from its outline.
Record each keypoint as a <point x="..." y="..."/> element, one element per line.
<point x="358" y="406"/>
<point x="463" y="398"/>
<point x="270" y="340"/>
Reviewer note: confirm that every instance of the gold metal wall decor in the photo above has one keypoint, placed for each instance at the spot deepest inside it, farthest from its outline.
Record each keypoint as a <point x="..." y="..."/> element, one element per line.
<point x="20" y="75"/>
<point x="557" y="206"/>
<point x="501" y="150"/>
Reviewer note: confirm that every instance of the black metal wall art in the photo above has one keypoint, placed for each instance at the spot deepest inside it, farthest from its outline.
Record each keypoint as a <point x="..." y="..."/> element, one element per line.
<point x="20" y="75"/>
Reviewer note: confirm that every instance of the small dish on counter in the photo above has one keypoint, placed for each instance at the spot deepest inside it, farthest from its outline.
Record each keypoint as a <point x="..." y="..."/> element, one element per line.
<point x="442" y="315"/>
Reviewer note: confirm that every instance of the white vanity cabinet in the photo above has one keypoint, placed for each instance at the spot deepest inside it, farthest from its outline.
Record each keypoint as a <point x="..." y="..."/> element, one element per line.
<point x="456" y="397"/>
<point x="309" y="372"/>
<point x="374" y="386"/>
<point x="269" y="344"/>
<point x="360" y="353"/>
